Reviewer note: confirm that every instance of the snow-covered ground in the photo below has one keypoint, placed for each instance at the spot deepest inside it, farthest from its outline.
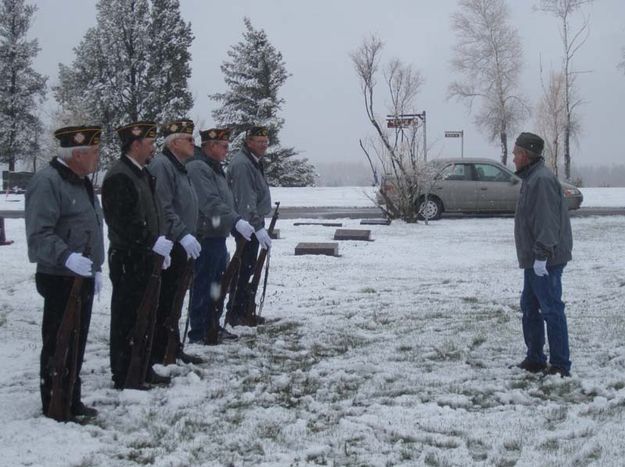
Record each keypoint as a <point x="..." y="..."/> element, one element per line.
<point x="359" y="196"/>
<point x="394" y="353"/>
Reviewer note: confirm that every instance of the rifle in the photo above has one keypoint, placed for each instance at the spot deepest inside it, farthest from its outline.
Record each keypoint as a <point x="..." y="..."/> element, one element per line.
<point x="143" y="332"/>
<point x="171" y="324"/>
<point x="228" y="284"/>
<point x="258" y="269"/>
<point x="65" y="360"/>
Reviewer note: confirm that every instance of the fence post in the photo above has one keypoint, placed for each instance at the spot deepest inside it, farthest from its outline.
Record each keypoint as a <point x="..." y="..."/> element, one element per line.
<point x="3" y="238"/>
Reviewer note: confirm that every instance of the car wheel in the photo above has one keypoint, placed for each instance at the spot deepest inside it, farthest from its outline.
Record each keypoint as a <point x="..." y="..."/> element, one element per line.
<point x="433" y="208"/>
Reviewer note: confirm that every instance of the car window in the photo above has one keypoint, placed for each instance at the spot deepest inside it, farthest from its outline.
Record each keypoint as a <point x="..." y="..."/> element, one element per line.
<point x="491" y="173"/>
<point x="456" y="172"/>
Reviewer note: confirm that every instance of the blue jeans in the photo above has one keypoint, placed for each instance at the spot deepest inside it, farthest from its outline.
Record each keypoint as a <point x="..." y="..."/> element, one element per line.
<point x="541" y="300"/>
<point x="209" y="269"/>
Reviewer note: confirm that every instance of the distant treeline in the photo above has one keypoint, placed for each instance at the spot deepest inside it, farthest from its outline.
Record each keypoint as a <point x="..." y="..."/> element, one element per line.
<point x="600" y="175"/>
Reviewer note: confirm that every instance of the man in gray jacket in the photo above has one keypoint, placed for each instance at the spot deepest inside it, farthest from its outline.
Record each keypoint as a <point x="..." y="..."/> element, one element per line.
<point x="252" y="201"/>
<point x="217" y="219"/>
<point x="180" y="209"/>
<point x="542" y="233"/>
<point x="64" y="235"/>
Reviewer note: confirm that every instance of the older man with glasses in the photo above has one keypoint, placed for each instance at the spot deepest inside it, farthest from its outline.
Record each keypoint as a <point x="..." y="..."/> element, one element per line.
<point x="217" y="219"/>
<point x="180" y="210"/>
<point x="246" y="177"/>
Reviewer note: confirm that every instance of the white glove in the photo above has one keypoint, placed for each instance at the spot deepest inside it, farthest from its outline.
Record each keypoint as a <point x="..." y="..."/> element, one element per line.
<point x="166" y="262"/>
<point x="540" y="268"/>
<point x="162" y="246"/>
<point x="97" y="286"/>
<point x="263" y="238"/>
<point x="78" y="264"/>
<point x="244" y="228"/>
<point x="191" y="246"/>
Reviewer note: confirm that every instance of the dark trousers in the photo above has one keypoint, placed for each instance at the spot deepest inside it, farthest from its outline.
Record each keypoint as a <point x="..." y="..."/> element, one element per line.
<point x="55" y="291"/>
<point x="541" y="303"/>
<point x="209" y="269"/>
<point x="129" y="272"/>
<point x="237" y="305"/>
<point x="170" y="280"/>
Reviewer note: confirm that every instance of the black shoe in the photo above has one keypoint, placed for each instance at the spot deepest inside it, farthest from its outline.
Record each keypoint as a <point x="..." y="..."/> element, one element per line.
<point x="81" y="410"/>
<point x="156" y="379"/>
<point x="186" y="358"/>
<point x="226" y="335"/>
<point x="250" y="320"/>
<point x="211" y="337"/>
<point x="532" y="367"/>
<point x="554" y="370"/>
<point x="231" y="319"/>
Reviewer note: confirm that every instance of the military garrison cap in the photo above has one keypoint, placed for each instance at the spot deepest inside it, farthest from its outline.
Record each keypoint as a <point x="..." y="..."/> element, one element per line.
<point x="73" y="136"/>
<point x="531" y="142"/>
<point x="257" y="131"/>
<point x="215" y="134"/>
<point x="136" y="130"/>
<point x="178" y="126"/>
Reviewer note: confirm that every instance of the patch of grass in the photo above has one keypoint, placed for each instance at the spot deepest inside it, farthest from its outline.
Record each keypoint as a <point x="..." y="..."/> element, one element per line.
<point x="550" y="445"/>
<point x="3" y="319"/>
<point x="367" y="290"/>
<point x="442" y="442"/>
<point x="269" y="430"/>
<point x="617" y="385"/>
<point x="448" y="350"/>
<point x="513" y="444"/>
<point x="477" y="341"/>
<point x="555" y="416"/>
<point x="433" y="458"/>
<point x="470" y="299"/>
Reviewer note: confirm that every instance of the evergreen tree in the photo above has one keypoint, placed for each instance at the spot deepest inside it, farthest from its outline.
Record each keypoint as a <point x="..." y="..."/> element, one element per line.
<point x="134" y="64"/>
<point x="21" y="87"/>
<point x="254" y="74"/>
<point x="170" y="66"/>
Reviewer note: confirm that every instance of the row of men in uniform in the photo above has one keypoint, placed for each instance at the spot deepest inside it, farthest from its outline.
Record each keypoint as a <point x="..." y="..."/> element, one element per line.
<point x="181" y="209"/>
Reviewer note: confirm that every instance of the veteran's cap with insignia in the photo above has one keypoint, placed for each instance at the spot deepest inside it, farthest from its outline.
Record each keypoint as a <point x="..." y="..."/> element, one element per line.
<point x="73" y="136"/>
<point x="215" y="134"/>
<point x="178" y="126"/>
<point x="531" y="142"/>
<point x="257" y="131"/>
<point x="136" y="130"/>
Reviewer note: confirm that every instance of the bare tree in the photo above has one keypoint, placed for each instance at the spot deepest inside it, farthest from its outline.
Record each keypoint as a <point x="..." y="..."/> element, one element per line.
<point x="398" y="150"/>
<point x="550" y="118"/>
<point x="488" y="56"/>
<point x="572" y="40"/>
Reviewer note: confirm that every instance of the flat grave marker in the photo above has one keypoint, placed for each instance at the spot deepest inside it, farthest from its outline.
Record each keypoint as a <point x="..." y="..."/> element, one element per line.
<point x="327" y="248"/>
<point x="353" y="234"/>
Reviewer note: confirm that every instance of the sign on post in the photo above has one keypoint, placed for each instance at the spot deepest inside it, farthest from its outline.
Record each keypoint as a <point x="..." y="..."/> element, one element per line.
<point x="457" y="134"/>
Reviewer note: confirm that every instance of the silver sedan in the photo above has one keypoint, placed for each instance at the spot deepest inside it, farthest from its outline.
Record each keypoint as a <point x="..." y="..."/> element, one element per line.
<point x="478" y="186"/>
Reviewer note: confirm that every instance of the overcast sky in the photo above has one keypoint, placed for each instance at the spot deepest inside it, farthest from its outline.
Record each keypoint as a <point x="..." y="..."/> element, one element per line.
<point x="324" y="110"/>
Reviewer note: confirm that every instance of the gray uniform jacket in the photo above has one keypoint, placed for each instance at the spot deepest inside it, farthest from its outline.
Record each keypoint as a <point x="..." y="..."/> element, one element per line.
<point x="175" y="194"/>
<point x="216" y="204"/>
<point x="252" y="198"/>
<point x="61" y="212"/>
<point x="542" y="228"/>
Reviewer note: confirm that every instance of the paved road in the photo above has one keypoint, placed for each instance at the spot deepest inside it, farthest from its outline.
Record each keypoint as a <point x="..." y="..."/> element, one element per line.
<point x="371" y="213"/>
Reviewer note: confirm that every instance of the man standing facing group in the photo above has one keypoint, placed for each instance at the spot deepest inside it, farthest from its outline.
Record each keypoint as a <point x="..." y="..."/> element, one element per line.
<point x="542" y="233"/>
